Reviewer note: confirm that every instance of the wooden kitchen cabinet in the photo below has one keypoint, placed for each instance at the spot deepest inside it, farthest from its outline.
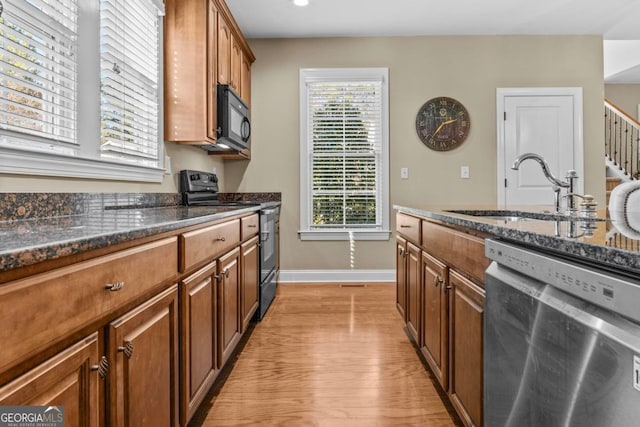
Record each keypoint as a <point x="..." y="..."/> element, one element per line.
<point x="203" y="46"/>
<point x="443" y="305"/>
<point x="435" y="317"/>
<point x="413" y="258"/>
<point x="224" y="51"/>
<point x="229" y="322"/>
<point x="249" y="280"/>
<point x="236" y="64"/>
<point x="191" y="63"/>
<point x="466" y="324"/>
<point x="69" y="379"/>
<point x="143" y="349"/>
<point x="401" y="276"/>
<point x="198" y="333"/>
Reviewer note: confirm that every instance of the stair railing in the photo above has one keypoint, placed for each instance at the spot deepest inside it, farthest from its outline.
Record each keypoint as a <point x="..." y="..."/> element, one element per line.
<point x="622" y="140"/>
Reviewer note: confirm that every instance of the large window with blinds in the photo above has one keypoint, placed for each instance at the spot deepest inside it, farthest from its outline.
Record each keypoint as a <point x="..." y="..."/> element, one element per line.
<point x="129" y="75"/>
<point x="69" y="108"/>
<point x="344" y="154"/>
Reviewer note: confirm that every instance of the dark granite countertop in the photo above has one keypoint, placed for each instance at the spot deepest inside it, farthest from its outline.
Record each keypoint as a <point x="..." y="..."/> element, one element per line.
<point x="36" y="227"/>
<point x="606" y="240"/>
<point x="25" y="242"/>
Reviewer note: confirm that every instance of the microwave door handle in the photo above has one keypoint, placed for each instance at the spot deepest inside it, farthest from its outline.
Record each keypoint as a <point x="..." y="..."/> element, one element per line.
<point x="245" y="129"/>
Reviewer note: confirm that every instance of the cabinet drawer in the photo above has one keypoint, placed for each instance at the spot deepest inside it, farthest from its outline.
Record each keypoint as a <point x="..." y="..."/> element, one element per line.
<point x="250" y="226"/>
<point x="39" y="310"/>
<point x="207" y="243"/>
<point x="408" y="226"/>
<point x="457" y="249"/>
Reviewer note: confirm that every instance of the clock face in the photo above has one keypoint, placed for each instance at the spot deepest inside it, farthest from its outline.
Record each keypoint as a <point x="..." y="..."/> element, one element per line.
<point x="442" y="123"/>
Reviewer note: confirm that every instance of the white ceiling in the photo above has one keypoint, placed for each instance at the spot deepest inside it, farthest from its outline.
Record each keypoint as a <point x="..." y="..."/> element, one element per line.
<point x="613" y="19"/>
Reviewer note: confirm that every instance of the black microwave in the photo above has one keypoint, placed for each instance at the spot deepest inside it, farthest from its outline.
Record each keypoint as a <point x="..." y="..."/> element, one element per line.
<point x="234" y="126"/>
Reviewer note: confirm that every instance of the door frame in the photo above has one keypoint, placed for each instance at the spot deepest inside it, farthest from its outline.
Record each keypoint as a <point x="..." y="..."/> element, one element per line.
<point x="578" y="137"/>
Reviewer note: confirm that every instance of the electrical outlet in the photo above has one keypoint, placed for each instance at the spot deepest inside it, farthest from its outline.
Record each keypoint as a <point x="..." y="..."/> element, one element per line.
<point x="464" y="172"/>
<point x="167" y="165"/>
<point x="404" y="173"/>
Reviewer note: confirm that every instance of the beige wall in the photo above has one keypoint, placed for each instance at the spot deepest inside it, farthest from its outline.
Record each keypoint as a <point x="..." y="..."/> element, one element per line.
<point x="626" y="97"/>
<point x="182" y="157"/>
<point x="466" y="68"/>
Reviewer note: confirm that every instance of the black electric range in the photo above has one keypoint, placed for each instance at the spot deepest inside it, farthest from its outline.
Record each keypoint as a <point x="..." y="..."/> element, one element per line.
<point x="201" y="189"/>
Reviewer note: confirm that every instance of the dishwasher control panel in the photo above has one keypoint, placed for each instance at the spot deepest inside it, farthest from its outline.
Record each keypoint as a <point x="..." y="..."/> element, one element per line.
<point x="598" y="287"/>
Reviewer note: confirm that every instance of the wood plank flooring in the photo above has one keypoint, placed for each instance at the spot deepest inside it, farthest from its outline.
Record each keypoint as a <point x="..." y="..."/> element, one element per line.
<point x="327" y="355"/>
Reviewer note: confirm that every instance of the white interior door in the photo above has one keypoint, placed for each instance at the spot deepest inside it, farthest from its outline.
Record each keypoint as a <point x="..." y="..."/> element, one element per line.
<point x="548" y="124"/>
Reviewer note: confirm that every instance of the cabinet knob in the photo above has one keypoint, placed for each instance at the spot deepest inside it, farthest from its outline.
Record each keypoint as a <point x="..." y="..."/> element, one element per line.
<point x="447" y="288"/>
<point x="437" y="281"/>
<point x="402" y="251"/>
<point x="226" y="273"/>
<point x="113" y="287"/>
<point x="102" y="367"/>
<point x="127" y="349"/>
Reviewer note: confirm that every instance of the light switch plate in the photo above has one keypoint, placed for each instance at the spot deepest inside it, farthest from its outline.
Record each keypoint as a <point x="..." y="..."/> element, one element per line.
<point x="464" y="172"/>
<point x="404" y="173"/>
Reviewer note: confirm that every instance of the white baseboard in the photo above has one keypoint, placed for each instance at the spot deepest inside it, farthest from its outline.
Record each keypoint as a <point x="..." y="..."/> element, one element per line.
<point x="331" y="276"/>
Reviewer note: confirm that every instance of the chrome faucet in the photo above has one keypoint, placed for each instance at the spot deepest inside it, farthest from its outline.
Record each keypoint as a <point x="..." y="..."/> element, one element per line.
<point x="571" y="177"/>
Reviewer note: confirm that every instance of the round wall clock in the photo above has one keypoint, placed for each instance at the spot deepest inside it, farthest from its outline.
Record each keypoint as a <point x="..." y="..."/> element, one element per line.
<point x="442" y="123"/>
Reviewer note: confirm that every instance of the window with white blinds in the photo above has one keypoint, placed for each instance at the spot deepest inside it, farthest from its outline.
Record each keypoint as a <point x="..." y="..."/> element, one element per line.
<point x="38" y="75"/>
<point x="129" y="78"/>
<point x="344" y="146"/>
<point x="80" y="89"/>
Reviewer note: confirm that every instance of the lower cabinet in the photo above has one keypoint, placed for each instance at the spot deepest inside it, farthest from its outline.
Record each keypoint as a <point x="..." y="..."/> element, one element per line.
<point x="439" y="282"/>
<point x="143" y="348"/>
<point x="249" y="280"/>
<point x="466" y="323"/>
<point x="229" y="322"/>
<point x="435" y="317"/>
<point x="69" y="379"/>
<point x="413" y="291"/>
<point x="198" y="333"/>
<point x="401" y="277"/>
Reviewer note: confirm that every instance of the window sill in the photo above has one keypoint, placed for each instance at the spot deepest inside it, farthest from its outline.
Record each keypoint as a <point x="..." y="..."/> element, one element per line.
<point x="48" y="164"/>
<point x="345" y="235"/>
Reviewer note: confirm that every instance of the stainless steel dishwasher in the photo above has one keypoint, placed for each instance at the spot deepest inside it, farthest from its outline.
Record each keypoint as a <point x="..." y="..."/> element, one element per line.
<point x="561" y="342"/>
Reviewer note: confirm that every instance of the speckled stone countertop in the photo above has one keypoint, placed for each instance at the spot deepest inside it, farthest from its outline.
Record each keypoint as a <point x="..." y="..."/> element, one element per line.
<point x="39" y="227"/>
<point x="606" y="240"/>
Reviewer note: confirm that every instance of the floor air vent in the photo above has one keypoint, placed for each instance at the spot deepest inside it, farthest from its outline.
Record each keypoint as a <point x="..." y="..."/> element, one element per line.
<point x="353" y="285"/>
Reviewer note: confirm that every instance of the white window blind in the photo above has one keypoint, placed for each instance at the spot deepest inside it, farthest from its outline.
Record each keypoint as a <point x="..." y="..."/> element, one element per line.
<point x="38" y="75"/>
<point x="345" y="150"/>
<point x="129" y="65"/>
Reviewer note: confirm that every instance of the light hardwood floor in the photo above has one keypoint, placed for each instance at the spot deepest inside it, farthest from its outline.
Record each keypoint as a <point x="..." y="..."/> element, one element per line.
<point x="327" y="355"/>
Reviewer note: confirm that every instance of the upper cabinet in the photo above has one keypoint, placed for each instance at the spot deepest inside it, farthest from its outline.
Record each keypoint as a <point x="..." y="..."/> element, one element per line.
<point x="203" y="47"/>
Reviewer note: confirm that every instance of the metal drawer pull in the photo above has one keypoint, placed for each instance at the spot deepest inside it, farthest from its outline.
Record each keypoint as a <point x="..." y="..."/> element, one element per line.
<point x="102" y="367"/>
<point x="252" y="226"/>
<point x="127" y="349"/>
<point x="226" y="273"/>
<point x="220" y="239"/>
<point x="113" y="287"/>
<point x="404" y="226"/>
<point x="437" y="280"/>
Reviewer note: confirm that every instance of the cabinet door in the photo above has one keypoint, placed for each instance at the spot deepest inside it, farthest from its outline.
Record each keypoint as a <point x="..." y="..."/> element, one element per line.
<point x="413" y="291"/>
<point x="229" y="324"/>
<point x="236" y="63"/>
<point x="435" y="317"/>
<point x="401" y="276"/>
<point x="69" y="380"/>
<point x="224" y="51"/>
<point x="212" y="62"/>
<point x="245" y="80"/>
<point x="198" y="332"/>
<point x="466" y="323"/>
<point x="250" y="280"/>
<point x="143" y="349"/>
